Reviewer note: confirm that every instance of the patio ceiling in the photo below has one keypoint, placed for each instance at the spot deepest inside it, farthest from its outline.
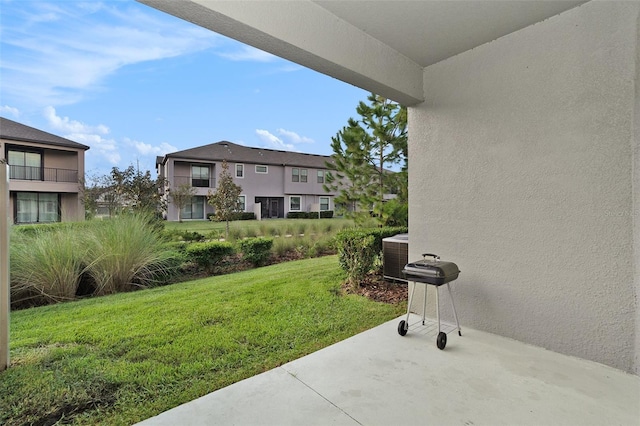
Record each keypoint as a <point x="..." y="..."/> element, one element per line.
<point x="380" y="46"/>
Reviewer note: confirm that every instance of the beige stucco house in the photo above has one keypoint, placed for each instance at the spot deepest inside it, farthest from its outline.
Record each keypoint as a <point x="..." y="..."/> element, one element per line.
<point x="45" y="174"/>
<point x="274" y="183"/>
<point x="524" y="153"/>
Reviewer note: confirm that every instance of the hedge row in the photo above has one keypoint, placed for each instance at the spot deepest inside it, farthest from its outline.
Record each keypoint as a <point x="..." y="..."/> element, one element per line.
<point x="209" y="255"/>
<point x="326" y="214"/>
<point x="236" y="216"/>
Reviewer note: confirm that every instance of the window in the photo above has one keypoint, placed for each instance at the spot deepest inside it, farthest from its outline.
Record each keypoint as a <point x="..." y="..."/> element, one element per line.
<point x="320" y="176"/>
<point x="324" y="204"/>
<point x="303" y="175"/>
<point x="242" y="203"/>
<point x="34" y="207"/>
<point x="194" y="209"/>
<point x="294" y="203"/>
<point x="295" y="175"/>
<point x="239" y="170"/>
<point x="200" y="176"/>
<point x="25" y="165"/>
<point x="261" y="169"/>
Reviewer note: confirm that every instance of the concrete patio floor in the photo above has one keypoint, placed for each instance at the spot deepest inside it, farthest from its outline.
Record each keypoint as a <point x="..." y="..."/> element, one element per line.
<point x="381" y="378"/>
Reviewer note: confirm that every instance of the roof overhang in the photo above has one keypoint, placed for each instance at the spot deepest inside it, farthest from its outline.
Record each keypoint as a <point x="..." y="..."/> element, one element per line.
<point x="380" y="46"/>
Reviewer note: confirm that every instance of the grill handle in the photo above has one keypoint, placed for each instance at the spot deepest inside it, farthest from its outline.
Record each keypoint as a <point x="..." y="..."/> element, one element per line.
<point x="435" y="256"/>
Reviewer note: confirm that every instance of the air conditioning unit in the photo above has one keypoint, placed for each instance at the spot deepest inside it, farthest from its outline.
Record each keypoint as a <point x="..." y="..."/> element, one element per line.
<point x="395" y="255"/>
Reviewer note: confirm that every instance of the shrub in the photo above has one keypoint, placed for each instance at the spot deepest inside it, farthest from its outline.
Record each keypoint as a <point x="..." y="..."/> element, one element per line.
<point x="191" y="236"/>
<point x="245" y="216"/>
<point x="325" y="214"/>
<point x="209" y="254"/>
<point x="358" y="249"/>
<point x="356" y="254"/>
<point x="235" y="216"/>
<point x="256" y="250"/>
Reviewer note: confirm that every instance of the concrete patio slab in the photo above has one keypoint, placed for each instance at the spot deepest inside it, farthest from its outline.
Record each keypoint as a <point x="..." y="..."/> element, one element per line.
<point x="381" y="378"/>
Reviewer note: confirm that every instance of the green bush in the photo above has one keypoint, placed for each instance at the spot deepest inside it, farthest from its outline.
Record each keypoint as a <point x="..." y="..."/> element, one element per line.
<point x="256" y="250"/>
<point x="359" y="248"/>
<point x="356" y="254"/>
<point x="297" y="215"/>
<point x="236" y="216"/>
<point x="209" y="254"/>
<point x="327" y="214"/>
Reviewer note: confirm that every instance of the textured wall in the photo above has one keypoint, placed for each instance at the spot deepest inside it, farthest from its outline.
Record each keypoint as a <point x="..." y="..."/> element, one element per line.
<point x="524" y="177"/>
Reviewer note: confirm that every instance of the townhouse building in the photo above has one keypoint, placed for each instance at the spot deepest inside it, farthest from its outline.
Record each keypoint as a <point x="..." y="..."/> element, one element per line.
<point x="45" y="174"/>
<point x="273" y="182"/>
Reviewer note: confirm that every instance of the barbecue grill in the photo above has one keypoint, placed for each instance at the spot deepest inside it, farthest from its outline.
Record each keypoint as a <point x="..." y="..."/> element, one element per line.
<point x="431" y="272"/>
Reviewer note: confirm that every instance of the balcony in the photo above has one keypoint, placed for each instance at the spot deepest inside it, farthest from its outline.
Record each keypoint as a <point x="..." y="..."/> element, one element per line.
<point x="46" y="174"/>
<point x="194" y="182"/>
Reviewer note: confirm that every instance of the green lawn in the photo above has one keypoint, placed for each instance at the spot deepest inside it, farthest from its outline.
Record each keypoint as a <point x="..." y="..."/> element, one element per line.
<point x="123" y="358"/>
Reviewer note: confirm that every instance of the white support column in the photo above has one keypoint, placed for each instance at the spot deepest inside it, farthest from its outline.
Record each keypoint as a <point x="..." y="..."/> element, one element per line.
<point x="4" y="265"/>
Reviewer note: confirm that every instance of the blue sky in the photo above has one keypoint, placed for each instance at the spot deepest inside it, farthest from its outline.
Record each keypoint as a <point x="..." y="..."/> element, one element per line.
<point x="133" y="83"/>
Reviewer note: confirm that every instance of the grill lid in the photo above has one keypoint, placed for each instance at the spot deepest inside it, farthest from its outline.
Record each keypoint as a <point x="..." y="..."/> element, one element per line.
<point x="433" y="270"/>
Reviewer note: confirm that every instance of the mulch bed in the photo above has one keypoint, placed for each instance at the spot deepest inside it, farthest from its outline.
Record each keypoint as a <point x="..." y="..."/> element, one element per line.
<point x="376" y="288"/>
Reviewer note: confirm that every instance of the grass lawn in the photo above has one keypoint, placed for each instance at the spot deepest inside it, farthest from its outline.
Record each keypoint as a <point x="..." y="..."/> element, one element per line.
<point x="123" y="358"/>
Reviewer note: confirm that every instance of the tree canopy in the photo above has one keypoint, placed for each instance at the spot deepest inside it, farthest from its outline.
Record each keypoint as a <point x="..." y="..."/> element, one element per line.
<point x="369" y="161"/>
<point x="124" y="190"/>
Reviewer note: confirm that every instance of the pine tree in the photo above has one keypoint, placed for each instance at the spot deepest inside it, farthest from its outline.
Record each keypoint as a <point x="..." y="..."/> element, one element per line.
<point x="364" y="152"/>
<point x="226" y="199"/>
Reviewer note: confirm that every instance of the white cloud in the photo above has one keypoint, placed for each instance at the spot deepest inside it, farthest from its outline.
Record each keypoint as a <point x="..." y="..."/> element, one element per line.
<point x="53" y="53"/>
<point x="148" y="149"/>
<point x="7" y="110"/>
<point x="107" y="149"/>
<point x="248" y="53"/>
<point x="85" y="134"/>
<point x="273" y="141"/>
<point x="64" y="124"/>
<point x="294" y="137"/>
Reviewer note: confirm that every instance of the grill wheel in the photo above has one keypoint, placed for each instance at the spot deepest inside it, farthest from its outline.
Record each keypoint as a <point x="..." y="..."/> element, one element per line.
<point x="403" y="327"/>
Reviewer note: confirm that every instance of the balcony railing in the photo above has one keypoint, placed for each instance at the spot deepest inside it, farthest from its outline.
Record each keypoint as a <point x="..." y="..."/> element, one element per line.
<point x="194" y="182"/>
<point x="46" y="174"/>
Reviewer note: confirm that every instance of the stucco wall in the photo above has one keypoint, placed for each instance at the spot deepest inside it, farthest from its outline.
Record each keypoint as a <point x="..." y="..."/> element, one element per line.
<point x="636" y="200"/>
<point x="521" y="171"/>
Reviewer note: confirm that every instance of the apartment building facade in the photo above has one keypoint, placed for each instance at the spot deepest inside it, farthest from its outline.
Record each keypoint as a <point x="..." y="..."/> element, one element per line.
<point x="45" y="174"/>
<point x="274" y="183"/>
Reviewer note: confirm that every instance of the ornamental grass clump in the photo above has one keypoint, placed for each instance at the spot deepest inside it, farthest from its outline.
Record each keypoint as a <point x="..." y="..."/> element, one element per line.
<point x="125" y="253"/>
<point x="46" y="265"/>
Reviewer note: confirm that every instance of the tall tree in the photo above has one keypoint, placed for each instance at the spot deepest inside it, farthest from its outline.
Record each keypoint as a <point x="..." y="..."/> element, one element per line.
<point x="364" y="152"/>
<point x="226" y="199"/>
<point x="181" y="196"/>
